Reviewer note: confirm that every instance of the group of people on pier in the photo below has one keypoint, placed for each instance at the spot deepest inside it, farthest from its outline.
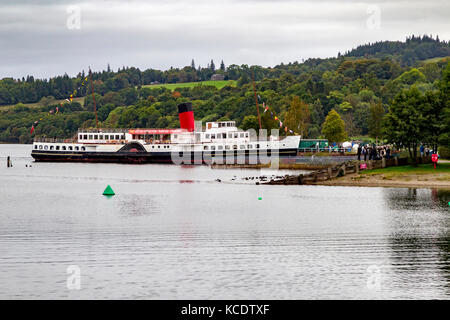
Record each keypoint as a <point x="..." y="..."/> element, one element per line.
<point x="425" y="151"/>
<point x="373" y="152"/>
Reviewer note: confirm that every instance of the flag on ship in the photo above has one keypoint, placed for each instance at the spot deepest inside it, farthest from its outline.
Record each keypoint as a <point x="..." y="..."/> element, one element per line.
<point x="69" y="100"/>
<point x="34" y="125"/>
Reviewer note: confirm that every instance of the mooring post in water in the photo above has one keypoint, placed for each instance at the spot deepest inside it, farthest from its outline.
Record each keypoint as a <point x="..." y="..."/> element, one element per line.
<point x="8" y="162"/>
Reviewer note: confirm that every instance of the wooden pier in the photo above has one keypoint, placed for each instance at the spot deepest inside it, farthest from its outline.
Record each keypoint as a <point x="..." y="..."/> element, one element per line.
<point x="340" y="170"/>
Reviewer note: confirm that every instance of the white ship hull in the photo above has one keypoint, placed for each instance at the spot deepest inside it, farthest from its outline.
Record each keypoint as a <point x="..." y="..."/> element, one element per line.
<point x="220" y="142"/>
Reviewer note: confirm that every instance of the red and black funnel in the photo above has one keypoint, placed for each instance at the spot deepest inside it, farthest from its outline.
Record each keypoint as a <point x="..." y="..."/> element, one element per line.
<point x="186" y="116"/>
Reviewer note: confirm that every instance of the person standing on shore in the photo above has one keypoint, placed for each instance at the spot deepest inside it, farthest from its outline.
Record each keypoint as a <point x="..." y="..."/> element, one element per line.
<point x="373" y="153"/>
<point x="422" y="149"/>
<point x="359" y="152"/>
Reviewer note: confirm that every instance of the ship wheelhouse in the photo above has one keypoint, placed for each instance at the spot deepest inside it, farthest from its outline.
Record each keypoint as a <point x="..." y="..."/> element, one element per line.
<point x="110" y="136"/>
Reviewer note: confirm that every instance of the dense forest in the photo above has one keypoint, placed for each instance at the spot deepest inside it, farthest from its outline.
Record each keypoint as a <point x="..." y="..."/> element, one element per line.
<point x="360" y="85"/>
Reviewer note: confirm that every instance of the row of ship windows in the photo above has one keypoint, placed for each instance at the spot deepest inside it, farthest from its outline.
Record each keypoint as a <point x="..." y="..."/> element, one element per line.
<point x="224" y="135"/>
<point x="226" y="124"/>
<point x="64" y="148"/>
<point x="228" y="147"/>
<point x="102" y="137"/>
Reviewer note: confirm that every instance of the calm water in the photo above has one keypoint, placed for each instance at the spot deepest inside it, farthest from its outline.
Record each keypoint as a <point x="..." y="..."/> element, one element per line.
<point x="174" y="232"/>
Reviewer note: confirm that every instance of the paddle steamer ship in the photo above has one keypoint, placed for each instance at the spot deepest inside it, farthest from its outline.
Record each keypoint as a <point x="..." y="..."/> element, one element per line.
<point x="220" y="142"/>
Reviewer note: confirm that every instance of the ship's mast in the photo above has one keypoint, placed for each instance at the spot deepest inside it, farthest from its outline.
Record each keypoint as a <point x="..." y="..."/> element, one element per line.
<point x="93" y="98"/>
<point x="256" y="100"/>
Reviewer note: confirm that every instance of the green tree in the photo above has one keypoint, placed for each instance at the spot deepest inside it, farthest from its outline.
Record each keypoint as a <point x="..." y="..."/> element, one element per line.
<point x="375" y="120"/>
<point x="129" y="95"/>
<point x="103" y="112"/>
<point x="46" y="101"/>
<point x="113" y="97"/>
<point x="334" y="127"/>
<point x="444" y="100"/>
<point x="406" y="122"/>
<point x="345" y="107"/>
<point x="267" y="122"/>
<point x="243" y="80"/>
<point x="250" y="122"/>
<point x="89" y="102"/>
<point x="361" y="116"/>
<point x="298" y="116"/>
<point x="129" y="118"/>
<point x="431" y="71"/>
<point x="317" y="114"/>
<point x="411" y="77"/>
<point x="148" y="116"/>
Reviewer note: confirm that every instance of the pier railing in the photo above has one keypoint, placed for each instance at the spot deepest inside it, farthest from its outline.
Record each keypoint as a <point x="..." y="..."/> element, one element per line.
<point x="332" y="150"/>
<point x="103" y="130"/>
<point x="54" y="140"/>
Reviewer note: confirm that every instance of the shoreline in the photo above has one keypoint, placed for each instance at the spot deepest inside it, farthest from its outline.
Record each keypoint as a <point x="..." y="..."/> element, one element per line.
<point x="396" y="177"/>
<point x="380" y="174"/>
<point x="380" y="183"/>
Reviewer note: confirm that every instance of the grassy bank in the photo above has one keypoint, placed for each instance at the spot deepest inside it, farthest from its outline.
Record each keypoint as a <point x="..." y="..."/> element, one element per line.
<point x="402" y="176"/>
<point x="434" y="60"/>
<point x="39" y="104"/>
<point x="422" y="169"/>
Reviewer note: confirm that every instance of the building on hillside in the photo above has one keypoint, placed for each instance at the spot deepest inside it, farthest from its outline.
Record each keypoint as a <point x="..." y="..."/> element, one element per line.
<point x="217" y="77"/>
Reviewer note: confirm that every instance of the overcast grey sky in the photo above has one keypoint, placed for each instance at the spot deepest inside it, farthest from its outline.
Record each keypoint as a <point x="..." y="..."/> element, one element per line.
<point x="45" y="38"/>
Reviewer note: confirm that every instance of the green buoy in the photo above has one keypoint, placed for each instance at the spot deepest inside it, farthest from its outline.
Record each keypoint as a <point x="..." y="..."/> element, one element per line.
<point x="108" y="191"/>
